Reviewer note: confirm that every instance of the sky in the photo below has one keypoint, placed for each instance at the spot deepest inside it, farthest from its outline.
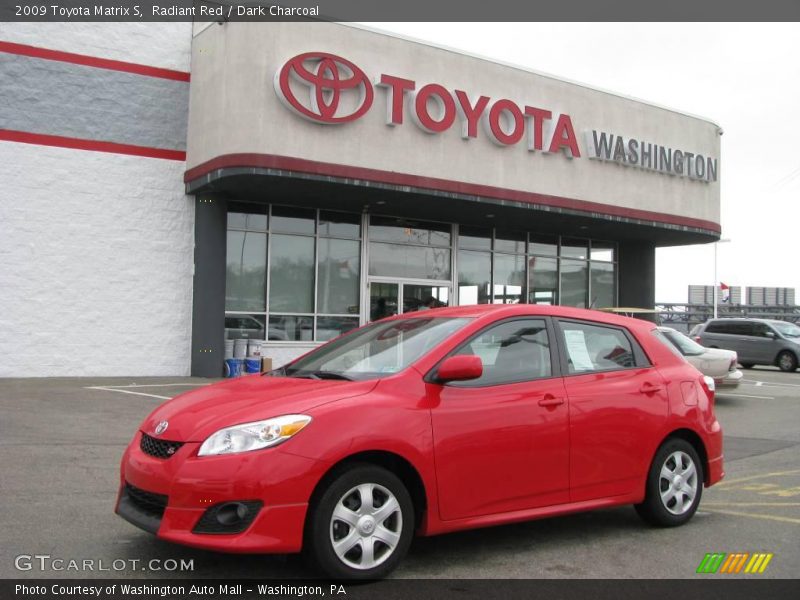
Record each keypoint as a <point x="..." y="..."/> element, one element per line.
<point x="743" y="76"/>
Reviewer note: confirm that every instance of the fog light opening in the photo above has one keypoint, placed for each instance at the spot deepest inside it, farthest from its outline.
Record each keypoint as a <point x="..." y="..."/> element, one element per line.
<point x="231" y="513"/>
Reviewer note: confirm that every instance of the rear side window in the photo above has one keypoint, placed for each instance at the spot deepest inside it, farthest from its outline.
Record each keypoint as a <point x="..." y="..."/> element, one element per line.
<point x="598" y="348"/>
<point x="511" y="351"/>
<point x="720" y="327"/>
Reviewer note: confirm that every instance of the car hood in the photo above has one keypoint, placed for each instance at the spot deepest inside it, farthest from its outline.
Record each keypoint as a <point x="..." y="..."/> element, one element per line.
<point x="195" y="415"/>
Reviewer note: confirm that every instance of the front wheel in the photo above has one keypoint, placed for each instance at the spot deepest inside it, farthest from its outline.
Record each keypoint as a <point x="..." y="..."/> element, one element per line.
<point x="674" y="485"/>
<point x="362" y="524"/>
<point x="787" y="361"/>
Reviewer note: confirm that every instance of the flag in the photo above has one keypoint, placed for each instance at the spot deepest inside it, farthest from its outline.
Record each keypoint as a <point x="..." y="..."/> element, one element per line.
<point x="726" y="292"/>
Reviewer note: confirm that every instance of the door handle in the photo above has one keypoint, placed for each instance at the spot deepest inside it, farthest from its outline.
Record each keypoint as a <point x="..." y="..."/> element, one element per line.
<point x="650" y="388"/>
<point x="549" y="401"/>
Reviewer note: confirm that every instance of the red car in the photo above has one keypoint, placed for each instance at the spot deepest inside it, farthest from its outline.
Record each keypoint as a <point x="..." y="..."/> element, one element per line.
<point x="427" y="423"/>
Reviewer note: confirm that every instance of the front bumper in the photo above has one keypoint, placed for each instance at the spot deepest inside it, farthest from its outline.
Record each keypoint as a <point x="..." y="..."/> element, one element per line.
<point x="278" y="484"/>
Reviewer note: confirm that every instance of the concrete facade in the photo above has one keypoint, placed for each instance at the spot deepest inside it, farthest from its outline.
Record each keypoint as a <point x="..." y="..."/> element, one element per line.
<point x="248" y="118"/>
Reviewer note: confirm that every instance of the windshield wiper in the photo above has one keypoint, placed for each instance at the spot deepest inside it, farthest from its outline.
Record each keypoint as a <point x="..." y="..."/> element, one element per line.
<point x="331" y="375"/>
<point x="300" y="374"/>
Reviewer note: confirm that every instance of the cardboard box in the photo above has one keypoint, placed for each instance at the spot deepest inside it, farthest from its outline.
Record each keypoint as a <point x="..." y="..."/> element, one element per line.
<point x="266" y="364"/>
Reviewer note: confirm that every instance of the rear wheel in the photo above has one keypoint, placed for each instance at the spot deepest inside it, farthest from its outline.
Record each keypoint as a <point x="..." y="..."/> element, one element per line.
<point x="674" y="485"/>
<point x="787" y="361"/>
<point x="362" y="524"/>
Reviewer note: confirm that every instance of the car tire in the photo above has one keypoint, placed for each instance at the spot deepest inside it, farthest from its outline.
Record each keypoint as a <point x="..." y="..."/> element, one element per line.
<point x="747" y="365"/>
<point x="674" y="485"/>
<point x="787" y="361"/>
<point x="370" y="508"/>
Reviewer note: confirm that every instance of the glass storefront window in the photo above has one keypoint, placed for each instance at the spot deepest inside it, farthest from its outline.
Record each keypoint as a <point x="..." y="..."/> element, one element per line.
<point x="341" y="225"/>
<point x="338" y="276"/>
<point x="571" y="248"/>
<point x="602" y="251"/>
<point x="474" y="277"/>
<point x="509" y="278"/>
<point x="542" y="280"/>
<point x="291" y="328"/>
<point x="244" y="327"/>
<point x="293" y="220"/>
<point x="245" y="271"/>
<point x="412" y="262"/>
<point x="247" y="216"/>
<point x="602" y="274"/>
<point x="574" y="282"/>
<point x="509" y="241"/>
<point x="475" y="238"/>
<point x="331" y="327"/>
<point x="291" y="284"/>
<point x="546" y="245"/>
<point x="404" y="231"/>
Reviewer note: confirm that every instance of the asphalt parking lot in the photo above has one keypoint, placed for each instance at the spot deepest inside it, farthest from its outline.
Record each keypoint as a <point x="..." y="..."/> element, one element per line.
<point x="62" y="439"/>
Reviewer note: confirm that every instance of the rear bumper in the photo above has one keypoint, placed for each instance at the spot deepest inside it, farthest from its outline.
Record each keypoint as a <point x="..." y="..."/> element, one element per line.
<point x="716" y="471"/>
<point x="731" y="380"/>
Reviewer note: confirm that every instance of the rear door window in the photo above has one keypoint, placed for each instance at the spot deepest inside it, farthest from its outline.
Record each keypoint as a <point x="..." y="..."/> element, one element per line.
<point x="589" y="347"/>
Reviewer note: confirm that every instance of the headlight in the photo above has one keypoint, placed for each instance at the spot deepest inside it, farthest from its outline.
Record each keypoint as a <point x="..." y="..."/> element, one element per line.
<point x="253" y="436"/>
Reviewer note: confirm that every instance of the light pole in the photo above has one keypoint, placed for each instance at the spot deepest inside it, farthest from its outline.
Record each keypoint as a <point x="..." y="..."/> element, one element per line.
<point x="716" y="281"/>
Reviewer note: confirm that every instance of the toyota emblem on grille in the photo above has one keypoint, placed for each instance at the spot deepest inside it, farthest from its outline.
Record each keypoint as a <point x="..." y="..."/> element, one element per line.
<point x="337" y="90"/>
<point x="161" y="427"/>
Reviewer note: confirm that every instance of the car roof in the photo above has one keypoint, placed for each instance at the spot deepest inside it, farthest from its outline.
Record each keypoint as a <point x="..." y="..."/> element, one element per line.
<point x="513" y="310"/>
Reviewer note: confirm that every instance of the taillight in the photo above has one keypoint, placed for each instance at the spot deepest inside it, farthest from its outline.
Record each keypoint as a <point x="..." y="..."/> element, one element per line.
<point x="697" y="339"/>
<point x="709" y="387"/>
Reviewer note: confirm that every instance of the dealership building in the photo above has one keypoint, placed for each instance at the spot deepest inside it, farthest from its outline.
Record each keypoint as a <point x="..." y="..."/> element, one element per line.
<point x="168" y="186"/>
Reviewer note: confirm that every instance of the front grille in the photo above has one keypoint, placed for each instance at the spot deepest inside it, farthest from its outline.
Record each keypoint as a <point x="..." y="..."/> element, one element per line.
<point x="147" y="502"/>
<point x="158" y="448"/>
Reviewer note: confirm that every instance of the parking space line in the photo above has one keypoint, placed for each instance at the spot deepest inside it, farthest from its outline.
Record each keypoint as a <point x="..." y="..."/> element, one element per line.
<point x="755" y="516"/>
<point x="745" y="396"/>
<point x="758" y="383"/>
<point x="138" y="385"/>
<point x="751" y="503"/>
<point x="763" y="475"/>
<point x="110" y="389"/>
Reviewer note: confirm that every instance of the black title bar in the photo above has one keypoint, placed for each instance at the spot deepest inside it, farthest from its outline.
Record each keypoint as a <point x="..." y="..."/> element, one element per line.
<point x="398" y="10"/>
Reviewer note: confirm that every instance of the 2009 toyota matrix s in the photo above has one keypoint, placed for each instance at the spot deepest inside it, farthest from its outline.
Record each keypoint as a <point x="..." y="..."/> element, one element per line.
<point x="426" y="423"/>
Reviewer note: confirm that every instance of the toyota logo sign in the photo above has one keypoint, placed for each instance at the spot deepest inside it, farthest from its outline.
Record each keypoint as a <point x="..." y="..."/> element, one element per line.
<point x="337" y="90"/>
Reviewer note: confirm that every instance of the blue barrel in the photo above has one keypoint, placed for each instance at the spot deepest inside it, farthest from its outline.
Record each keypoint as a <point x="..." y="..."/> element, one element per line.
<point x="233" y="367"/>
<point x="252" y="364"/>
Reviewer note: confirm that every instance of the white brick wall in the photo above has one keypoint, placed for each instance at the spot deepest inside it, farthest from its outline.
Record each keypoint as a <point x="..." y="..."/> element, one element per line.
<point x="96" y="255"/>
<point x="165" y="45"/>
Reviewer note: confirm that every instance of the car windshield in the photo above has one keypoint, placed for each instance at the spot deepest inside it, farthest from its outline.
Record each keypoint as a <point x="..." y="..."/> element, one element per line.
<point x="685" y="345"/>
<point x="789" y="330"/>
<point x="377" y="350"/>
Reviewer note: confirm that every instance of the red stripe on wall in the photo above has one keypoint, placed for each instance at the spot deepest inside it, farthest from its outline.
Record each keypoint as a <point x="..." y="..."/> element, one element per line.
<point x="93" y="61"/>
<point x="271" y="161"/>
<point x="58" y="141"/>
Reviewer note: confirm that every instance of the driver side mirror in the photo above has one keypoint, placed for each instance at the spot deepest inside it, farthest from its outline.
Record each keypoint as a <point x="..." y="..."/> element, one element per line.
<point x="460" y="368"/>
<point x="770" y="334"/>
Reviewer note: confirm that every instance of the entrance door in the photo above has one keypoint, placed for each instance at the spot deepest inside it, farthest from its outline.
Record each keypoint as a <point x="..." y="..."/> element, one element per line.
<point x="387" y="298"/>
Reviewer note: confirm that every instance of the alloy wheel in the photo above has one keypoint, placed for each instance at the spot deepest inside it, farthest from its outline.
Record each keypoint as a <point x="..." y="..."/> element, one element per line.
<point x="366" y="525"/>
<point x="678" y="483"/>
